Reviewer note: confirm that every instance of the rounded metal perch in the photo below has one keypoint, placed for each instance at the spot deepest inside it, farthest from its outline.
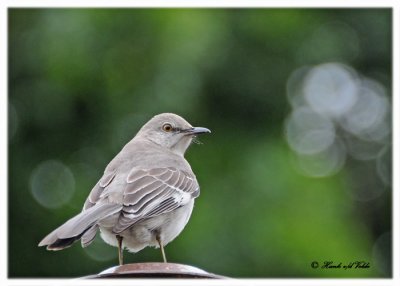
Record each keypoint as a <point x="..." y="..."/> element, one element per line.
<point x="155" y="270"/>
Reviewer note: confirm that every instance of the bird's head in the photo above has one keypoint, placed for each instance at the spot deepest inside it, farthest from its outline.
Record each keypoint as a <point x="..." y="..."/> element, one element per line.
<point x="171" y="131"/>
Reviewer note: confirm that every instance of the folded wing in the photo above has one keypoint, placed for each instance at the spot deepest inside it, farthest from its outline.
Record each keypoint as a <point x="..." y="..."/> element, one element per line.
<point x="149" y="193"/>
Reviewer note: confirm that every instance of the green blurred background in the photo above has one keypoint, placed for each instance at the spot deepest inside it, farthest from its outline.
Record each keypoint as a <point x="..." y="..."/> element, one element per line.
<point x="297" y="169"/>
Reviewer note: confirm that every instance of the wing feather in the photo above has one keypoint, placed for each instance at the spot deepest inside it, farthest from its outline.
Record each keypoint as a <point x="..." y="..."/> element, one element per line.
<point x="95" y="193"/>
<point x="153" y="192"/>
<point x="165" y="206"/>
<point x="166" y="175"/>
<point x="135" y="174"/>
<point x="89" y="235"/>
<point x="133" y="208"/>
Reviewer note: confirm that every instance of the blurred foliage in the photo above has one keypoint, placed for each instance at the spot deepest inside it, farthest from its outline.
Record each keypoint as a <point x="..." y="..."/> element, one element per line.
<point x="82" y="82"/>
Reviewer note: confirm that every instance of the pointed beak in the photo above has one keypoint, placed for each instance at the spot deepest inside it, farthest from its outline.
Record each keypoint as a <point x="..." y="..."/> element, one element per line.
<point x="196" y="131"/>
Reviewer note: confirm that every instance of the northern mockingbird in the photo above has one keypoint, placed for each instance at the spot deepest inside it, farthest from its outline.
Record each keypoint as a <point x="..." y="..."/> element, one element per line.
<point x="145" y="196"/>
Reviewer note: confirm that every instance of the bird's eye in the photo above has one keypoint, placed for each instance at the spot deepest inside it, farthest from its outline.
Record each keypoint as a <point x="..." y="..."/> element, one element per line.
<point x="167" y="127"/>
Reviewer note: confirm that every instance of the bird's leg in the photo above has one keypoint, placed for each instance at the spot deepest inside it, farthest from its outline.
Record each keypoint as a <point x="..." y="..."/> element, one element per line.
<point x="162" y="247"/>
<point x="120" y="250"/>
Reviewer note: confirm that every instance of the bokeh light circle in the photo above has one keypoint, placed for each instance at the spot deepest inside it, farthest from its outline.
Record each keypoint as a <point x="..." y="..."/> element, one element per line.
<point x="98" y="250"/>
<point x="52" y="184"/>
<point x="325" y="163"/>
<point x="331" y="89"/>
<point x="366" y="118"/>
<point x="309" y="132"/>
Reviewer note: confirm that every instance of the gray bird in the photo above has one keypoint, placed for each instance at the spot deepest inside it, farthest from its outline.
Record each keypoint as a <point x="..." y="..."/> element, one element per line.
<point x="146" y="195"/>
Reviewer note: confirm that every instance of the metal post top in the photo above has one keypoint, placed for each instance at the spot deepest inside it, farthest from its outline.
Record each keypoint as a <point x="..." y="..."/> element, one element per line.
<point x="155" y="270"/>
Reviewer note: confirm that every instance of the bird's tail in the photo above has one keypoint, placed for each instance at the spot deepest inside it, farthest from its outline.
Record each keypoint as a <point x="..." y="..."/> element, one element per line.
<point x="82" y="226"/>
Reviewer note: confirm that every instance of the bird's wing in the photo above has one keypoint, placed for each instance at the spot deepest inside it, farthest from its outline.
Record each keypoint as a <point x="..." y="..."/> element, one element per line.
<point x="149" y="193"/>
<point x="98" y="189"/>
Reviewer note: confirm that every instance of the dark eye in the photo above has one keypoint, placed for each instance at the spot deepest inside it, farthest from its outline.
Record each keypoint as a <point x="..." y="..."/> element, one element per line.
<point x="167" y="127"/>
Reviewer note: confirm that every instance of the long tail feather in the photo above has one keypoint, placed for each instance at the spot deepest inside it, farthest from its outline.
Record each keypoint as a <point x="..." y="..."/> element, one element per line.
<point x="75" y="228"/>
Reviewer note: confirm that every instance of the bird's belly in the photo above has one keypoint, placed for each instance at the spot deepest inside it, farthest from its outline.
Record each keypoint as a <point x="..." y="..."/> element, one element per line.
<point x="143" y="234"/>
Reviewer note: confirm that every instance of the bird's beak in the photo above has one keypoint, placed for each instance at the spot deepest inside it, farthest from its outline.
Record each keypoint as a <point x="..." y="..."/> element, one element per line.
<point x="196" y="130"/>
